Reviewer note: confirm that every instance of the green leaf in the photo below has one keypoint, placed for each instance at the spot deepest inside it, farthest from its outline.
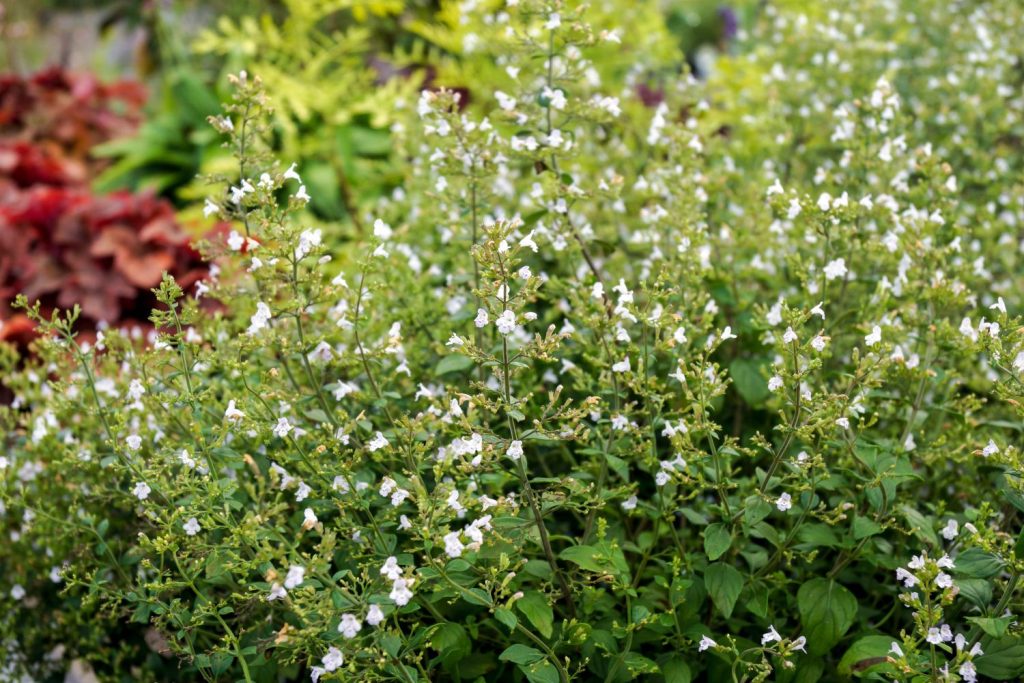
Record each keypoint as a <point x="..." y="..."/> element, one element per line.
<point x="1003" y="659"/>
<point x="536" y="609"/>
<point x="977" y="564"/>
<point x="717" y="540"/>
<point x="506" y="617"/>
<point x="676" y="670"/>
<point x="867" y="654"/>
<point x="453" y="363"/>
<point x="452" y="643"/>
<point x="544" y="672"/>
<point x="521" y="654"/>
<point x="816" y="535"/>
<point x="637" y="664"/>
<point x="724" y="584"/>
<point x="827" y="610"/>
<point x="864" y="527"/>
<point x="755" y="509"/>
<point x="920" y="525"/>
<point x="978" y="592"/>
<point x="603" y="558"/>
<point x="749" y="381"/>
<point x="993" y="626"/>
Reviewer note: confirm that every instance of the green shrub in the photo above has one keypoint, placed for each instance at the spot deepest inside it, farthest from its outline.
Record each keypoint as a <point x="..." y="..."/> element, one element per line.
<point x="726" y="389"/>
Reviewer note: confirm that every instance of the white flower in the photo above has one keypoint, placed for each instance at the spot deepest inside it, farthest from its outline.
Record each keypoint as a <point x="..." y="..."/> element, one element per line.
<point x="374" y="615"/>
<point x="662" y="478"/>
<point x="790" y="336"/>
<point x="630" y="503"/>
<point x="349" y="625"/>
<point x="908" y="579"/>
<point x="141" y="490"/>
<point x="999" y="305"/>
<point x="506" y="102"/>
<point x="990" y="448"/>
<point x="515" y="450"/>
<point x="506" y="322"/>
<point x="968" y="672"/>
<point x="309" y="519"/>
<point x="775" y="188"/>
<point x="302" y="195"/>
<point x="232" y="413"/>
<point x="209" y="208"/>
<point x="282" y="428"/>
<point x="951" y="530"/>
<point x="824" y="201"/>
<point x="775" y="383"/>
<point x="235" y="240"/>
<point x="784" y="502"/>
<point x="17" y="591"/>
<point x="382" y="230"/>
<point x="944" y="580"/>
<point x="277" y="592"/>
<point x="819" y="342"/>
<point x="134" y="442"/>
<point x="817" y="310"/>
<point x="835" y="268"/>
<point x="706" y="643"/>
<point x="455" y="340"/>
<point x="391" y="569"/>
<point x="136" y="390"/>
<point x="192" y="526"/>
<point x="771" y="636"/>
<point x="333" y="659"/>
<point x="800" y="644"/>
<point x="528" y="243"/>
<point x="453" y="545"/>
<point x="259" y="319"/>
<point x="874" y="337"/>
<point x="400" y="591"/>
<point x="296" y="575"/>
<point x="622" y="365"/>
<point x="968" y="330"/>
<point x="378" y="442"/>
<point x="895" y="649"/>
<point x="291" y="174"/>
<point x="727" y="333"/>
<point x="553" y="22"/>
<point x="481" y="318"/>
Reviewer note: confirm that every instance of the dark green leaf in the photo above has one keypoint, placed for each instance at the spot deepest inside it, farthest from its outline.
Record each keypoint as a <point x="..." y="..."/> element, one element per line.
<point x="1003" y="659"/>
<point x="724" y="584"/>
<point x="867" y="654"/>
<point x="538" y="612"/>
<point x="827" y="610"/>
<point x="717" y="540"/>
<point x="521" y="654"/>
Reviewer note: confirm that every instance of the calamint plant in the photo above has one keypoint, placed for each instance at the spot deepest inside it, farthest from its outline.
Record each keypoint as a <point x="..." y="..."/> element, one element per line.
<point x="723" y="387"/>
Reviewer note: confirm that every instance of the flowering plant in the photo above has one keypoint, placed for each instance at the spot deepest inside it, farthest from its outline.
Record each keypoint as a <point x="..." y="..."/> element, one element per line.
<point x="725" y="389"/>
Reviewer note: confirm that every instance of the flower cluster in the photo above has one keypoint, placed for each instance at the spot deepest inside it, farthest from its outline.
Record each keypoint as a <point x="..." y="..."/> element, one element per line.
<point x="697" y="390"/>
